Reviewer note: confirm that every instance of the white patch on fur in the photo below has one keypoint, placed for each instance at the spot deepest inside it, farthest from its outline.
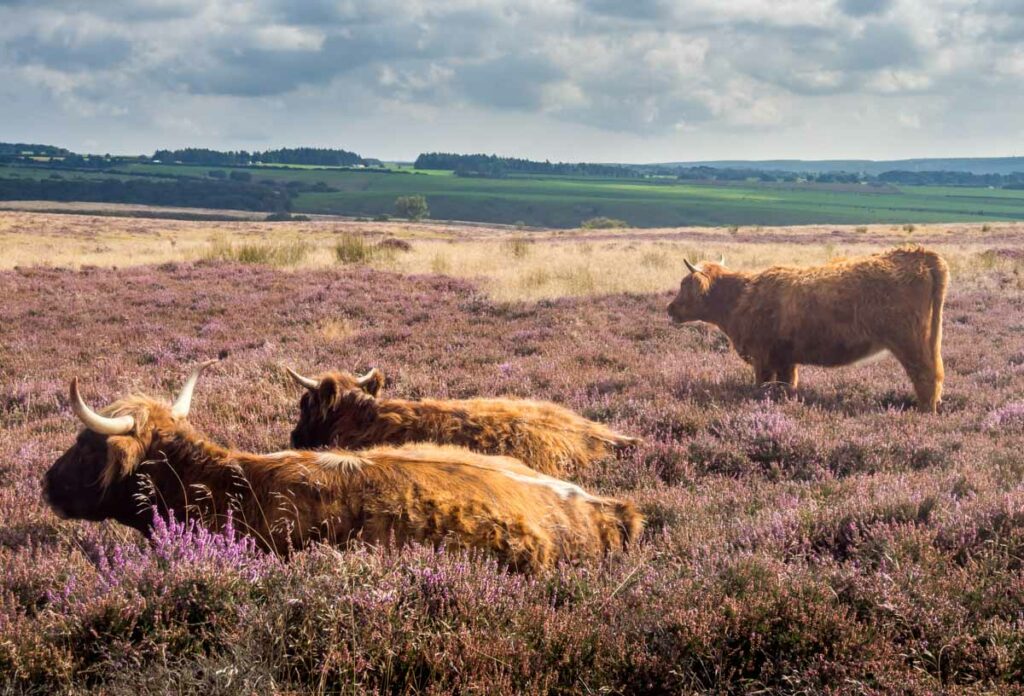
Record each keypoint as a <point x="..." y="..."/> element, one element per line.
<point x="327" y="460"/>
<point x="284" y="454"/>
<point x="330" y="460"/>
<point x="564" y="489"/>
<point x="872" y="358"/>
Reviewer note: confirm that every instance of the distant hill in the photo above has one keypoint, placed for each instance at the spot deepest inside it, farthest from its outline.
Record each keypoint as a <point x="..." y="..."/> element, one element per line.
<point x="974" y="165"/>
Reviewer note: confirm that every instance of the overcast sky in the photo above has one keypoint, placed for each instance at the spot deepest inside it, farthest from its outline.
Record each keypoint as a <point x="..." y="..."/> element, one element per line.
<point x="594" y="80"/>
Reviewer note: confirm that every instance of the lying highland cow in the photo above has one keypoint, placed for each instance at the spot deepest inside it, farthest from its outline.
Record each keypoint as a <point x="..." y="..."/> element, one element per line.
<point x="341" y="410"/>
<point x="829" y="315"/>
<point x="143" y="450"/>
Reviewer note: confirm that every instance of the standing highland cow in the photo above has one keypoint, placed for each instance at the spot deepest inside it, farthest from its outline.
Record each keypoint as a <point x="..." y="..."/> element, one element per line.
<point x="145" y="450"/>
<point x="828" y="315"/>
<point x="342" y="410"/>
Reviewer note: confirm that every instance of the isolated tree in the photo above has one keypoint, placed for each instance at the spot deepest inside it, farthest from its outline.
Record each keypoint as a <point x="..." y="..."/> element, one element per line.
<point x="412" y="207"/>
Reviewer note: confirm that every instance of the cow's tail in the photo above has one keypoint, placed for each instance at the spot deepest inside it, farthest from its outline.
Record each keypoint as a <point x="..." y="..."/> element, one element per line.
<point x="611" y="439"/>
<point x="631" y="522"/>
<point x="621" y="442"/>
<point x="940" y="280"/>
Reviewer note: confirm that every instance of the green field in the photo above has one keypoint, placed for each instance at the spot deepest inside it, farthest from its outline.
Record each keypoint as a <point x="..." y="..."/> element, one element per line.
<point x="564" y="202"/>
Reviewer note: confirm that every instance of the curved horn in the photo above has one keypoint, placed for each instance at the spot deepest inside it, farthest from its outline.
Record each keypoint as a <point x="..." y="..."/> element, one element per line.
<point x="368" y="377"/>
<point x="94" y="421"/>
<point x="184" y="400"/>
<point x="721" y="260"/>
<point x="691" y="267"/>
<point x="303" y="381"/>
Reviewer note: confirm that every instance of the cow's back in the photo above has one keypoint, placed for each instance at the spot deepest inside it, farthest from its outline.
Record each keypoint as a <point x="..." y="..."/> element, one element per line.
<point x="447" y="495"/>
<point x="548" y="437"/>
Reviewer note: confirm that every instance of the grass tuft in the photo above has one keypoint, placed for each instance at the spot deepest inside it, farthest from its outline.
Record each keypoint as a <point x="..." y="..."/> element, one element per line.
<point x="518" y="247"/>
<point x="290" y="253"/>
<point x="353" y="248"/>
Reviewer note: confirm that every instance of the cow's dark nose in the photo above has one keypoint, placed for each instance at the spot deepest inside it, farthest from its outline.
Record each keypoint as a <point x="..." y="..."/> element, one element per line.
<point x="46" y="489"/>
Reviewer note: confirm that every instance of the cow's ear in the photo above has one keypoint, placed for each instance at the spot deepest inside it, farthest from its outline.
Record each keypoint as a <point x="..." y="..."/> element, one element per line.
<point x="372" y="382"/>
<point x="361" y="407"/>
<point x="325" y="393"/>
<point x="124" y="454"/>
<point x="703" y="282"/>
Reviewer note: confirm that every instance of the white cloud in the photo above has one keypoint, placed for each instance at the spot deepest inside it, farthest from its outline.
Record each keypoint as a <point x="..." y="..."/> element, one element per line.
<point x="653" y="74"/>
<point x="908" y="120"/>
<point x="285" y="38"/>
<point x="893" y="81"/>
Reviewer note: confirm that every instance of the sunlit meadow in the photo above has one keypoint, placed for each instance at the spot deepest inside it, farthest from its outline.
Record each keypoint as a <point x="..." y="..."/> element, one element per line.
<point x="839" y="541"/>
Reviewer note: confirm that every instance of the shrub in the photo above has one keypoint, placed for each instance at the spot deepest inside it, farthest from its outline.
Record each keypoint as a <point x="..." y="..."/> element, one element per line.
<point x="763" y="440"/>
<point x="603" y="223"/>
<point x="394" y="244"/>
<point x="412" y="207"/>
<point x="1006" y="419"/>
<point x="285" y="217"/>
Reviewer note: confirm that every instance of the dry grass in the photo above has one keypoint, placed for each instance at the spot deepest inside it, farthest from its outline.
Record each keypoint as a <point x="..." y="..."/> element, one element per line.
<point x="509" y="265"/>
<point x="336" y="329"/>
<point x="290" y="252"/>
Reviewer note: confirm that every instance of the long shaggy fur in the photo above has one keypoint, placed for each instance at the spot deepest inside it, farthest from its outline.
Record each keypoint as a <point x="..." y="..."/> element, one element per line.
<point x="445" y="496"/>
<point x="551" y="439"/>
<point x="830" y="315"/>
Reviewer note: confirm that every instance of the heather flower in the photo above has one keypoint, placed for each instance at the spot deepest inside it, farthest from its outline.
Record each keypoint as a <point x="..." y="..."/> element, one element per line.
<point x="836" y="538"/>
<point x="1006" y="419"/>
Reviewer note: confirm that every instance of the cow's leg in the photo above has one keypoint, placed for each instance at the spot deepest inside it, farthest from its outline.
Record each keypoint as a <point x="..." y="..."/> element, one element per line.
<point x="763" y="372"/>
<point x="788" y="375"/>
<point x="917" y="360"/>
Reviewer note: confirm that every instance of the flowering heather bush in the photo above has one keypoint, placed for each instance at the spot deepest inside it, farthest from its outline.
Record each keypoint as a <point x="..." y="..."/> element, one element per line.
<point x="1008" y="418"/>
<point x="838" y="541"/>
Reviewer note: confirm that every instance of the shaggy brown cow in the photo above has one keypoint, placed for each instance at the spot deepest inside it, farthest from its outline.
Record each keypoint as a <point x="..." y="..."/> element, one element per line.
<point x="339" y="409"/>
<point x="145" y="450"/>
<point x="830" y="315"/>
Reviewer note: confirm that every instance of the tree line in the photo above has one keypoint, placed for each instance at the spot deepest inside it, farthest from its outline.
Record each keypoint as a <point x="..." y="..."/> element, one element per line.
<point x="314" y="156"/>
<point x="1014" y="180"/>
<point x="317" y="156"/>
<point x="493" y="166"/>
<point x="488" y="166"/>
<point x="32" y="149"/>
<point x="898" y="177"/>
